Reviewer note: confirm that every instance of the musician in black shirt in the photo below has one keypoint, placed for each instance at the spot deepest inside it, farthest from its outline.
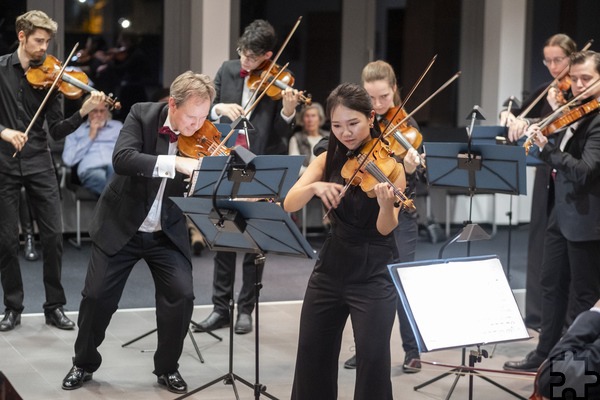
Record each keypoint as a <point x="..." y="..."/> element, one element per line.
<point x="25" y="161"/>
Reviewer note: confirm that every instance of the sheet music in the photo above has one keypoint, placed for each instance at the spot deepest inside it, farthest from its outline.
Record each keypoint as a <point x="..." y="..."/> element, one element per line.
<point x="193" y="179"/>
<point x="460" y="303"/>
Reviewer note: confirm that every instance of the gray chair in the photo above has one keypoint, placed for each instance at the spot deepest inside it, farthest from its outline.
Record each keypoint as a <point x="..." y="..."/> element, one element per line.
<point x="73" y="183"/>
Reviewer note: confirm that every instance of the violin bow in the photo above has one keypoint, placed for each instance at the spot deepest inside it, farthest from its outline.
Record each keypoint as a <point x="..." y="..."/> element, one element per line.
<point x="417" y="83"/>
<point x="264" y="78"/>
<point x="553" y="83"/>
<point x="548" y="120"/>
<point x="382" y="135"/>
<point x="39" y="110"/>
<point x="444" y="86"/>
<point x="226" y="138"/>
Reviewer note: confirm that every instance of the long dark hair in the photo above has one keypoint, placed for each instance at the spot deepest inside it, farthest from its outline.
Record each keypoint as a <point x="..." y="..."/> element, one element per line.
<point x="356" y="98"/>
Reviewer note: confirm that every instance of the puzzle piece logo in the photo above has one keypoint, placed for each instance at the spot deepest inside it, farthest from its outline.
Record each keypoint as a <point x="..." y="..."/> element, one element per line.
<point x="574" y="376"/>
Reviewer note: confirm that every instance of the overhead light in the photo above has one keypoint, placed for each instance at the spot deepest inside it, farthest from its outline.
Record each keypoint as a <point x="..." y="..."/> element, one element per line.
<point x="124" y="22"/>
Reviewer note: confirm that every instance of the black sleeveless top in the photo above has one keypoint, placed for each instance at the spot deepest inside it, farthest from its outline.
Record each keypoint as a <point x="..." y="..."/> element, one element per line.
<point x="354" y="250"/>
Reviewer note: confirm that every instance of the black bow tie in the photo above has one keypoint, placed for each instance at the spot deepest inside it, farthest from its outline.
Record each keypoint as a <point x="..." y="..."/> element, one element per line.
<point x="165" y="130"/>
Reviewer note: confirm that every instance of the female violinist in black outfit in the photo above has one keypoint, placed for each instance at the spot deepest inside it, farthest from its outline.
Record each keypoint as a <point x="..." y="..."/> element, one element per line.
<point x="350" y="276"/>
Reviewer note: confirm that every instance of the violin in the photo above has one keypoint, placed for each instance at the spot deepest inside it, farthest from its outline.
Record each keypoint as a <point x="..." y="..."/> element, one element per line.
<point x="404" y="136"/>
<point x="202" y="143"/>
<point x="372" y="165"/>
<point x="563" y="86"/>
<point x="265" y="74"/>
<point x="567" y="119"/>
<point x="71" y="84"/>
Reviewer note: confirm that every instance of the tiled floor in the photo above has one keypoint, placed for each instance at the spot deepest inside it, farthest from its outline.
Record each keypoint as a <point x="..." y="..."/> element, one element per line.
<point x="36" y="357"/>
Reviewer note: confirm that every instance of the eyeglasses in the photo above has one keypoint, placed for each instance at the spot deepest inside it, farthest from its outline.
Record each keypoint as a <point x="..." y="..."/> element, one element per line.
<point x="252" y="58"/>
<point x="554" y="61"/>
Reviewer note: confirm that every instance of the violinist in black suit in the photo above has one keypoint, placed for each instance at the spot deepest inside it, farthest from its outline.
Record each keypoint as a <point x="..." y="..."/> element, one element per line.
<point x="272" y="121"/>
<point x="556" y="53"/>
<point x="135" y="219"/>
<point x="571" y="257"/>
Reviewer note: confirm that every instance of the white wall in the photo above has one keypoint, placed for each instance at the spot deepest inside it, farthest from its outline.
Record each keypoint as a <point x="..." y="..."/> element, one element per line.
<point x="503" y="54"/>
<point x="216" y="37"/>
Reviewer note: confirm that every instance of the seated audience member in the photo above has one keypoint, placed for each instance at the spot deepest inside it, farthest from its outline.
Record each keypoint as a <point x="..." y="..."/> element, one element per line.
<point x="311" y="119"/>
<point x="91" y="146"/>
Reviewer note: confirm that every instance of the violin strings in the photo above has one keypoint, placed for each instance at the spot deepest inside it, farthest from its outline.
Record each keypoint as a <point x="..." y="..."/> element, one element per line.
<point x="374" y="170"/>
<point x="402" y="140"/>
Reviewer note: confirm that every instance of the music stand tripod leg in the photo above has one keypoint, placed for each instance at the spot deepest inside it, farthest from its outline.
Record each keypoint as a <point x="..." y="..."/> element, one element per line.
<point x="259" y="263"/>
<point x="229" y="378"/>
<point x="456" y="371"/>
<point x="476" y="356"/>
<point x="211" y="333"/>
<point x="189" y="332"/>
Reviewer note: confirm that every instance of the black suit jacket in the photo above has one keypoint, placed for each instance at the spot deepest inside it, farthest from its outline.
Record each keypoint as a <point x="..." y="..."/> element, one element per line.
<point x="577" y="183"/>
<point x="271" y="133"/>
<point x="126" y="200"/>
<point x="577" y="357"/>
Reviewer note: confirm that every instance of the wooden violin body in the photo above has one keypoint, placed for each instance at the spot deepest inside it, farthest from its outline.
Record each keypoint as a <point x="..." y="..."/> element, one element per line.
<point x="404" y="136"/>
<point x="71" y="84"/>
<point x="372" y="165"/>
<point x="262" y="76"/>
<point x="43" y="76"/>
<point x="202" y="143"/>
<point x="563" y="86"/>
<point x="567" y="119"/>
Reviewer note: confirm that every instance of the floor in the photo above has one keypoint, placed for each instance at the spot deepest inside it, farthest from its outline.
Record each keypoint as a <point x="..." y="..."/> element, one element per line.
<point x="35" y="358"/>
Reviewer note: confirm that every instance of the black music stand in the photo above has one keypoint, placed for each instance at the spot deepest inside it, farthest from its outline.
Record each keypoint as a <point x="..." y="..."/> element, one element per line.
<point x="497" y="134"/>
<point x="231" y="224"/>
<point x="476" y="169"/>
<point x="438" y="326"/>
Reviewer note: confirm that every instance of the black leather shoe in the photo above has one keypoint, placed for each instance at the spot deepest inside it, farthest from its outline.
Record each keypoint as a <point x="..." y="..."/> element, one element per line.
<point x="412" y="362"/>
<point x="530" y="363"/>
<point x="75" y="378"/>
<point x="243" y="324"/>
<point x="350" y="363"/>
<point x="212" y="322"/>
<point x="58" y="318"/>
<point x="30" y="253"/>
<point x="10" y="320"/>
<point x="173" y="381"/>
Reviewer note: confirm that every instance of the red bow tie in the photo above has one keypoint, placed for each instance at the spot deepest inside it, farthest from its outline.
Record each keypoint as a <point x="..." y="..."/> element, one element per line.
<point x="165" y="130"/>
<point x="244" y="73"/>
